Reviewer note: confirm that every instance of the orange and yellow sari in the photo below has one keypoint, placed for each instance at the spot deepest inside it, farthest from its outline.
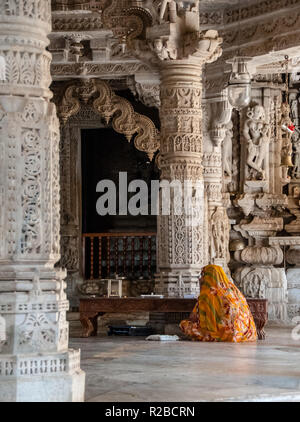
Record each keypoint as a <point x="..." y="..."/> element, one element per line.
<point x="221" y="313"/>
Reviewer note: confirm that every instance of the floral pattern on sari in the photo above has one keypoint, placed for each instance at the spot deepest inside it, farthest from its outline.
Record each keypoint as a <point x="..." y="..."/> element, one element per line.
<point x="221" y="312"/>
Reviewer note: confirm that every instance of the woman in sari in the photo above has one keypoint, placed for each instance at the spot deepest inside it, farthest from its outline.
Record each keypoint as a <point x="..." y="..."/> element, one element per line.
<point x="221" y="313"/>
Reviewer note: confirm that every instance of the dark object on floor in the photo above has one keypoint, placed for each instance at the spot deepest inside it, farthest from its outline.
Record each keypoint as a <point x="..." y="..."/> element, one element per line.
<point x="128" y="330"/>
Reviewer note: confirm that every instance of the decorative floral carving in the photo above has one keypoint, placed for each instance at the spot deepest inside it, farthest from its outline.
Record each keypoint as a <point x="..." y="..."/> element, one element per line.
<point x="110" y="106"/>
<point x="37" y="333"/>
<point x="148" y="94"/>
<point x="31" y="197"/>
<point x="29" y="69"/>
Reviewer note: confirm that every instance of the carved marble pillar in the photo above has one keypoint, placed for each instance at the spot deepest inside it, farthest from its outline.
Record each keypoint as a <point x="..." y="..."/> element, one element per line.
<point x="262" y="201"/>
<point x="179" y="50"/>
<point x="174" y="46"/>
<point x="262" y="276"/>
<point x="217" y="156"/>
<point x="182" y="244"/>
<point x="35" y="362"/>
<point x="293" y="227"/>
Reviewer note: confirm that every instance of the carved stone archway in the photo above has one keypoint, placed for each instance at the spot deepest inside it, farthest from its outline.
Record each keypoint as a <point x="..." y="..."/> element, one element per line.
<point x="110" y="107"/>
<point x="80" y="106"/>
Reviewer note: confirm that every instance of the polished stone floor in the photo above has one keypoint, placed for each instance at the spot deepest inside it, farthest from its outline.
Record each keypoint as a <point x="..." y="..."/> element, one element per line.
<point x="132" y="369"/>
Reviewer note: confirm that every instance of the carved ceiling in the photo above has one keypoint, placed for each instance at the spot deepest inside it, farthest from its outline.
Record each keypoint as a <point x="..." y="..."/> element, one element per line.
<point x="83" y="44"/>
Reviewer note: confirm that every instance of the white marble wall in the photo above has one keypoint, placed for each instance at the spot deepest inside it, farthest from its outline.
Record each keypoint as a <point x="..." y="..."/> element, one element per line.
<point x="35" y="363"/>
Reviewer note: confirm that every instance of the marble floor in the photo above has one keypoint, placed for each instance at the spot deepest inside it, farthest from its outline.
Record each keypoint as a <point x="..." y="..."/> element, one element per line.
<point x="132" y="369"/>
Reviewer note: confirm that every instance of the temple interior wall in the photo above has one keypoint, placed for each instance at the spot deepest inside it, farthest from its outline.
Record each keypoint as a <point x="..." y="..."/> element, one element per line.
<point x="104" y="57"/>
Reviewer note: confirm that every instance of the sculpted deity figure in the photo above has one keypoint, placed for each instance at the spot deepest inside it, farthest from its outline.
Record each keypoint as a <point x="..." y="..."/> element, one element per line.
<point x="296" y="145"/>
<point x="287" y="146"/>
<point x="220" y="234"/>
<point x="159" y="49"/>
<point x="294" y="108"/>
<point x="164" y="50"/>
<point x="227" y="150"/>
<point x="257" y="135"/>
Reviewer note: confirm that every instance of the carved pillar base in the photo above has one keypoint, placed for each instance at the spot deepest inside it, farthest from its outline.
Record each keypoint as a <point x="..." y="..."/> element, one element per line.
<point x="42" y="378"/>
<point x="35" y="362"/>
<point x="177" y="283"/>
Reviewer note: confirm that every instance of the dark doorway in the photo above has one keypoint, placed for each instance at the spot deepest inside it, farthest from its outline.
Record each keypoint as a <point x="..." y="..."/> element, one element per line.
<point x="105" y="154"/>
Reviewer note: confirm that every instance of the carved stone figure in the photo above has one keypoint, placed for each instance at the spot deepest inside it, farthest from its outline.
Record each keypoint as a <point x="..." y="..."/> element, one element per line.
<point x="220" y="234"/>
<point x="164" y="49"/>
<point x="227" y="150"/>
<point x="296" y="161"/>
<point x="294" y="108"/>
<point x="254" y="285"/>
<point x="257" y="135"/>
<point x="296" y="145"/>
<point x="287" y="147"/>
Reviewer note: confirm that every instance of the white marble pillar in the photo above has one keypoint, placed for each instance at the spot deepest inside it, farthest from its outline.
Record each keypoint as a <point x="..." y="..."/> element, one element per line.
<point x="216" y="138"/>
<point x="179" y="50"/>
<point x="35" y="362"/>
<point x="182" y="241"/>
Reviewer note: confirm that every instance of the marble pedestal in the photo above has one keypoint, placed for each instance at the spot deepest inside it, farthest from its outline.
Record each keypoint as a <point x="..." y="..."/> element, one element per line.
<point x="42" y="378"/>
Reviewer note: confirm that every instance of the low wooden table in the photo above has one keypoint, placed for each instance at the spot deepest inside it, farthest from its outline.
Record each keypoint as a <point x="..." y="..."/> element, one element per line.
<point x="91" y="308"/>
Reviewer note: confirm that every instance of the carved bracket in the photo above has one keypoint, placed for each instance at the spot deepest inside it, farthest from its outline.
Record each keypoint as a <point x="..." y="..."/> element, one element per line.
<point x="110" y="106"/>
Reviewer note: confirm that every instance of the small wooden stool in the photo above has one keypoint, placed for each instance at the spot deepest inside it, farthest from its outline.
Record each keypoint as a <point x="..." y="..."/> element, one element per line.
<point x="259" y="310"/>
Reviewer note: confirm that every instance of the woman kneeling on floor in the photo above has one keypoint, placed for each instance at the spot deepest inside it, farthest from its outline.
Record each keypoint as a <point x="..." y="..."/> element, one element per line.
<point x="221" y="313"/>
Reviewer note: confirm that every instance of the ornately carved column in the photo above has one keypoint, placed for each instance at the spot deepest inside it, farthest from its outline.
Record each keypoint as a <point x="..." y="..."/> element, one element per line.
<point x="182" y="235"/>
<point x="181" y="239"/>
<point x="35" y="363"/>
<point x="217" y="160"/>
<point x="175" y="46"/>
<point x="261" y="273"/>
